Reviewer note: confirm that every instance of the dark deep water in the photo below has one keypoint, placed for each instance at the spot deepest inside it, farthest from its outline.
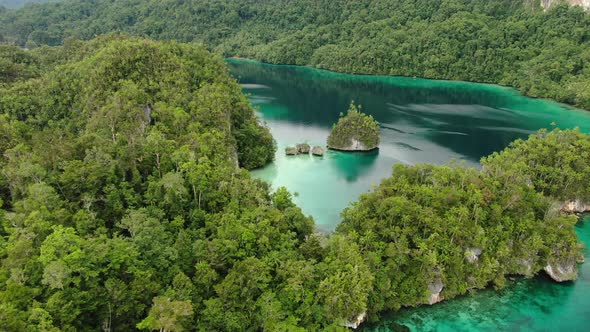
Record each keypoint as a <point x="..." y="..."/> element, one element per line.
<point x="422" y="121"/>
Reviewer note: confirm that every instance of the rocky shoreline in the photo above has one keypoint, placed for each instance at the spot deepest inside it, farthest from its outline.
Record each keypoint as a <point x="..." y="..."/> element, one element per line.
<point x="575" y="207"/>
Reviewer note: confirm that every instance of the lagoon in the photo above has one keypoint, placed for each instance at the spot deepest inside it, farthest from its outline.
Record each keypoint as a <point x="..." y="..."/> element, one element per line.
<point x="422" y="121"/>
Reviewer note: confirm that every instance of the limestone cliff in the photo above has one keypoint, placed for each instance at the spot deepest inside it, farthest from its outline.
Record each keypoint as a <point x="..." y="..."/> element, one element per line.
<point x="355" y="322"/>
<point x="435" y="288"/>
<point x="562" y="271"/>
<point x="576" y="206"/>
<point x="472" y="254"/>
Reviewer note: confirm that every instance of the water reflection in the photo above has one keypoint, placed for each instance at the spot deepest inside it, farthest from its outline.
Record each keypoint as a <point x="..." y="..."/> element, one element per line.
<point x="317" y="97"/>
<point x="422" y="121"/>
<point x="352" y="166"/>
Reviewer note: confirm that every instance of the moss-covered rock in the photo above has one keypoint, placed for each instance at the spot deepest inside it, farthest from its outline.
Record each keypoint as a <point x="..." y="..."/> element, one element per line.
<point x="354" y="132"/>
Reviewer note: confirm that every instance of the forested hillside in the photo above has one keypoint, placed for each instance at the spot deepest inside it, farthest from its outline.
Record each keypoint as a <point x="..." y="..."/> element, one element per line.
<point x="510" y="42"/>
<point x="124" y="206"/>
<point x="455" y="229"/>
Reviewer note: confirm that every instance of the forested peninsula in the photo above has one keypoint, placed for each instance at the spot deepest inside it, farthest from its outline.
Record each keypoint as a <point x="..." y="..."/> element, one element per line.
<point x="542" y="53"/>
<point x="126" y="205"/>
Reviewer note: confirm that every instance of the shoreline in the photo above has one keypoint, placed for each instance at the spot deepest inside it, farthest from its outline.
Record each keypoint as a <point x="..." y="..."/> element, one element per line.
<point x="354" y="151"/>
<point x="514" y="89"/>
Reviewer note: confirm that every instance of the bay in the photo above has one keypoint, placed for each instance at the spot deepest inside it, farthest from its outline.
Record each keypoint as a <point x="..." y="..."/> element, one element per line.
<point x="422" y="121"/>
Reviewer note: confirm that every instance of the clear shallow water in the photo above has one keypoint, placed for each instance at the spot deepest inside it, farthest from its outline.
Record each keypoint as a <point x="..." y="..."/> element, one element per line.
<point x="422" y="121"/>
<point x="537" y="304"/>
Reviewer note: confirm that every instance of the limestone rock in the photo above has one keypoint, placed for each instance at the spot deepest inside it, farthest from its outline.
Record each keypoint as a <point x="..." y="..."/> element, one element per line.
<point x="291" y="151"/>
<point x="318" y="151"/>
<point x="576" y="206"/>
<point x="355" y="145"/>
<point x="355" y="322"/>
<point x="525" y="266"/>
<point x="435" y="288"/>
<point x="303" y="148"/>
<point x="562" y="271"/>
<point x="472" y="254"/>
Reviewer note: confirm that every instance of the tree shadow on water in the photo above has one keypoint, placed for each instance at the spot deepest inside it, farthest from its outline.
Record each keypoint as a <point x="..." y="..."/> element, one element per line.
<point x="353" y="165"/>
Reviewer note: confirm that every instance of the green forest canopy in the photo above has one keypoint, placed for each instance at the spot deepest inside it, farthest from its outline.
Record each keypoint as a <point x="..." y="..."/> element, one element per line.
<point x="510" y="42"/>
<point x="354" y="126"/>
<point x="470" y="228"/>
<point x="123" y="206"/>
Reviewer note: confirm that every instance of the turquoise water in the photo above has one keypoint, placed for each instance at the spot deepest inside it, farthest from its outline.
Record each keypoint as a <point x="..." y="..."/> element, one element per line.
<point x="537" y="304"/>
<point x="422" y="121"/>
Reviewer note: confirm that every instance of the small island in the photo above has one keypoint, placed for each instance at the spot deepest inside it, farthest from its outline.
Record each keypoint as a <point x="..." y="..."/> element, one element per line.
<point x="304" y="148"/>
<point x="317" y="151"/>
<point x="355" y="131"/>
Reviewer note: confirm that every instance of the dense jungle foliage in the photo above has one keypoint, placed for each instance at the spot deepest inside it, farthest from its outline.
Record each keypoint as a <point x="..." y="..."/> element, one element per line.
<point x="124" y="206"/>
<point x="510" y="42"/>
<point x="559" y="166"/>
<point x="357" y="126"/>
<point x="466" y="228"/>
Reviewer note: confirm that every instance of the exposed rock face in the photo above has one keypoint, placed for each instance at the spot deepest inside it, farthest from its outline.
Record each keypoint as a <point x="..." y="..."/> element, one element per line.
<point x="355" y="145"/>
<point x="577" y="206"/>
<point x="435" y="288"/>
<point x="318" y="151"/>
<point x="356" y="321"/>
<point x="472" y="254"/>
<point x="562" y="271"/>
<point x="525" y="266"/>
<point x="235" y="157"/>
<point x="546" y="4"/>
<point x="303" y="148"/>
<point x="291" y="151"/>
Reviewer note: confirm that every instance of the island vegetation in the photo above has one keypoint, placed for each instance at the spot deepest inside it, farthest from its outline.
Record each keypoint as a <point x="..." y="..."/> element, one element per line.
<point x="430" y="233"/>
<point x="542" y="53"/>
<point x="126" y="205"/>
<point x="123" y="205"/>
<point x="354" y="131"/>
<point x="126" y="202"/>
